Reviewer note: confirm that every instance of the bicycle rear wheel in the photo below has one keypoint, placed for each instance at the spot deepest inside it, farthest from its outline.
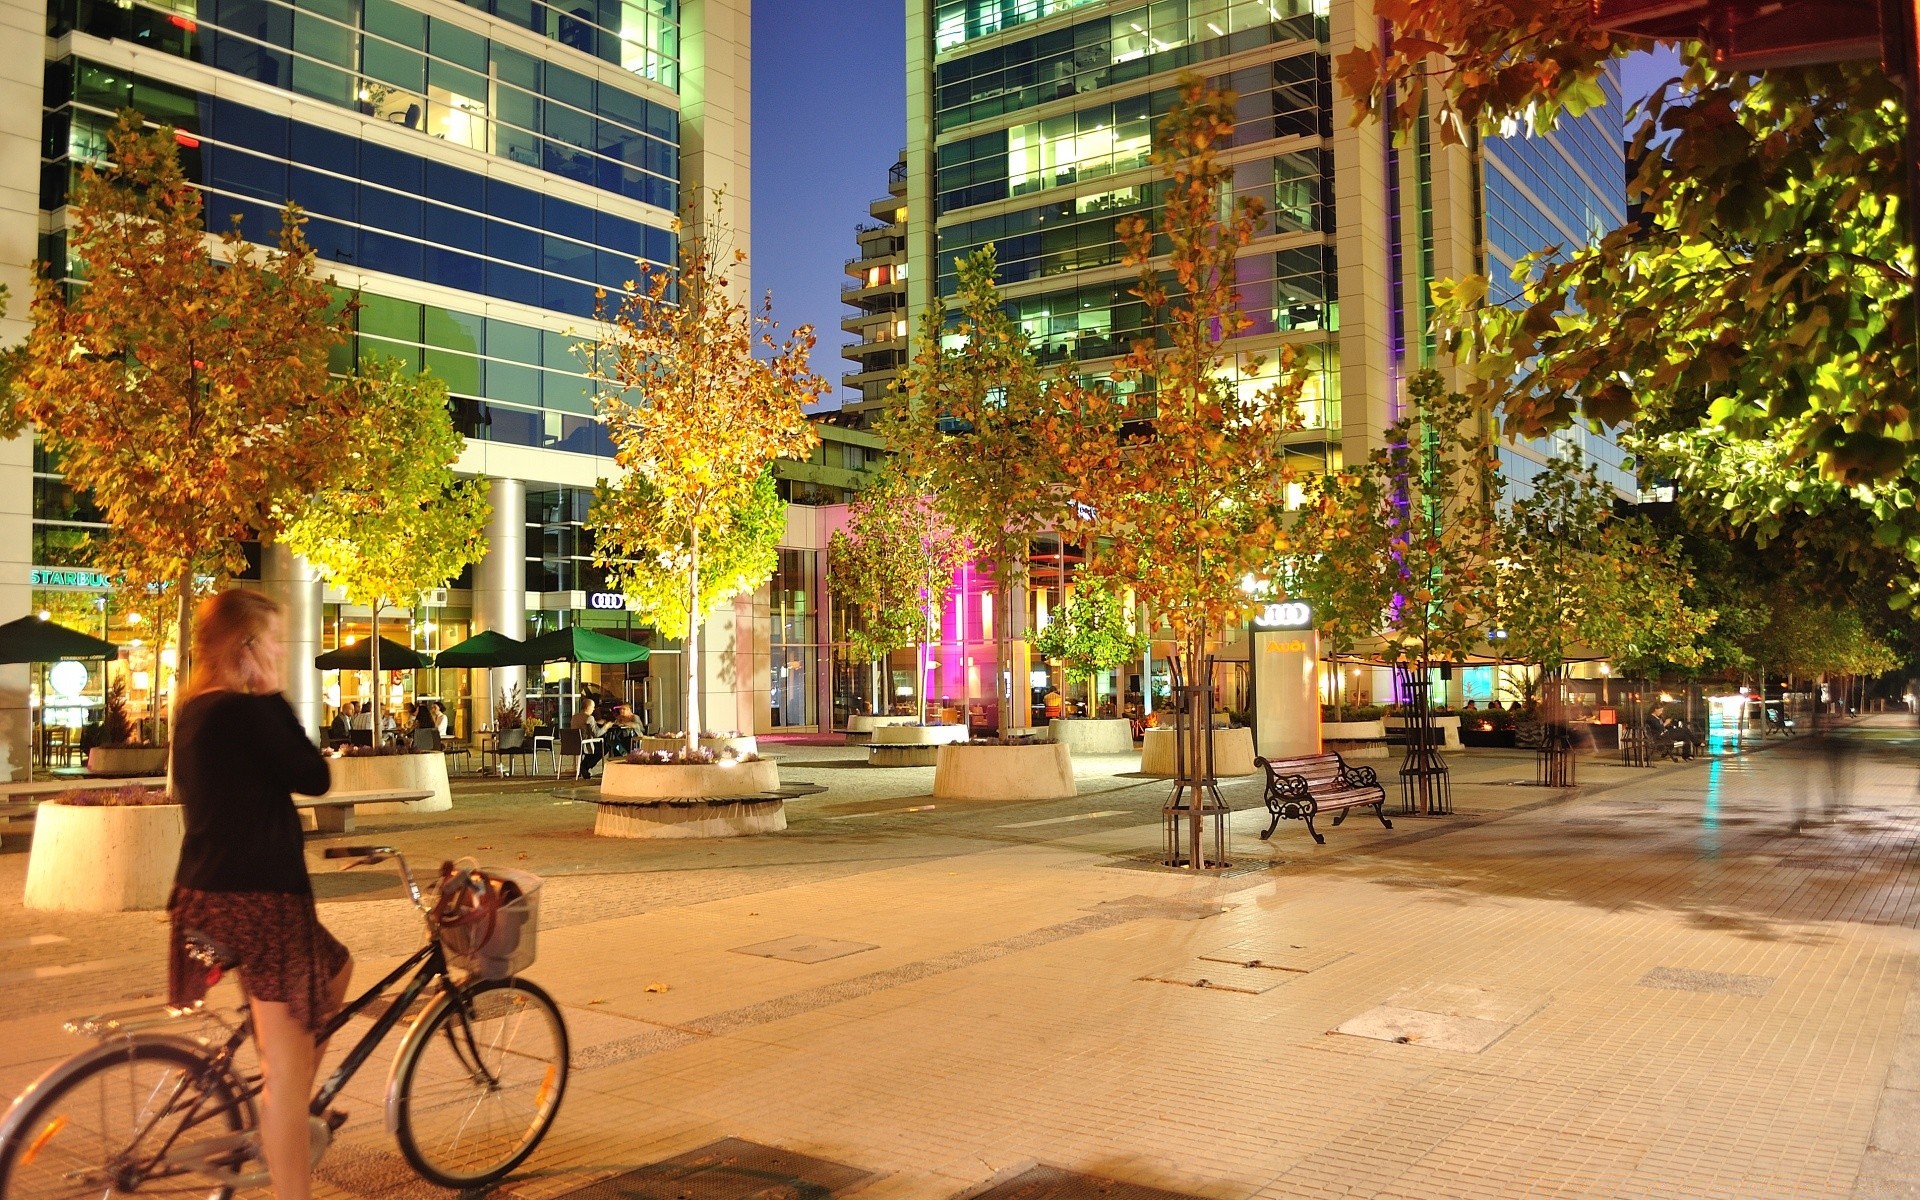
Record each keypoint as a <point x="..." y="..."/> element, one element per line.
<point x="97" y="1124"/>
<point x="469" y="1109"/>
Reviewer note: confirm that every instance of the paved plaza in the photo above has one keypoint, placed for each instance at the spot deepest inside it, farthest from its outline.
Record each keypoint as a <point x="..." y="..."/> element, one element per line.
<point x="1650" y="985"/>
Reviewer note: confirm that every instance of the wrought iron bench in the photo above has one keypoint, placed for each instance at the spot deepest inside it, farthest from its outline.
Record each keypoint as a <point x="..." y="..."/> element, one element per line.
<point x="1298" y="789"/>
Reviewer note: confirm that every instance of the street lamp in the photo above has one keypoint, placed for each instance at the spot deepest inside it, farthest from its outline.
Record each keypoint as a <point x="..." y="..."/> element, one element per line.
<point x="1605" y="671"/>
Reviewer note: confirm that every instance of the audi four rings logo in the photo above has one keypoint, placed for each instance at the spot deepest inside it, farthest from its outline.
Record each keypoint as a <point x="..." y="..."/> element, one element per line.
<point x="1290" y="614"/>
<point x="606" y="600"/>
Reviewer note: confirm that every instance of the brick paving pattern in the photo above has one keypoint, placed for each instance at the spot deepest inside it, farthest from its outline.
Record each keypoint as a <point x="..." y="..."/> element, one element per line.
<point x="1686" y="981"/>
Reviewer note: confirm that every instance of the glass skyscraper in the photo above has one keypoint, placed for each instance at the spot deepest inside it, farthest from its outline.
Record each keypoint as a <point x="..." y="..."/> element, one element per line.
<point x="474" y="171"/>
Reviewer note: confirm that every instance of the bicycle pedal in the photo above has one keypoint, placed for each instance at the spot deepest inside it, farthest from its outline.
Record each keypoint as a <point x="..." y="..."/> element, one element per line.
<point x="335" y="1119"/>
<point x="233" y="1159"/>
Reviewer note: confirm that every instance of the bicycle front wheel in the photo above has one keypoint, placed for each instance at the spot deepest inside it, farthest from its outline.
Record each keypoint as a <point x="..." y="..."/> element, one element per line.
<point x="150" y="1116"/>
<point x="474" y="1091"/>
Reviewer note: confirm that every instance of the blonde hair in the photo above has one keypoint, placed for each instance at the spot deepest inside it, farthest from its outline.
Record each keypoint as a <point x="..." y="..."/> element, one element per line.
<point x="224" y="627"/>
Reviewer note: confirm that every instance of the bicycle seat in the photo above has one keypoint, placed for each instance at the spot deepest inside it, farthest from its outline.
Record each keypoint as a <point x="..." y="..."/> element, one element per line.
<point x="209" y="953"/>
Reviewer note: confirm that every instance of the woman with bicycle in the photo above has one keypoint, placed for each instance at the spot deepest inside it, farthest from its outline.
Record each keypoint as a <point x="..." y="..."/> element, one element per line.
<point x="239" y="754"/>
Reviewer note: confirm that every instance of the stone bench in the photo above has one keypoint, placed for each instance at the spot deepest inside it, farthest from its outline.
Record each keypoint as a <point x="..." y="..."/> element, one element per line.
<point x="333" y="812"/>
<point x="1299" y="789"/>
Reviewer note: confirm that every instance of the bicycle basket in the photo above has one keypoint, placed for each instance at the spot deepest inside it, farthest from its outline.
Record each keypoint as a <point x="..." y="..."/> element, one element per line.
<point x="485" y="928"/>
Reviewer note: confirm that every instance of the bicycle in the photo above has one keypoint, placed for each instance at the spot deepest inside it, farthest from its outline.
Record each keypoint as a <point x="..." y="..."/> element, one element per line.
<point x="473" y="1089"/>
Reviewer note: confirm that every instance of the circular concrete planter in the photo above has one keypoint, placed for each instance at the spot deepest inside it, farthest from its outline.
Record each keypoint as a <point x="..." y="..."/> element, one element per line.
<point x="1086" y="736"/>
<point x="1449" y="728"/>
<point x="1042" y="771"/>
<point x="689" y="800"/>
<point x="1232" y="752"/>
<point x="919" y="735"/>
<point x="394" y="773"/>
<point x="743" y="745"/>
<point x="868" y="722"/>
<point x="127" y="760"/>
<point x="103" y="858"/>
<point x="1355" y="739"/>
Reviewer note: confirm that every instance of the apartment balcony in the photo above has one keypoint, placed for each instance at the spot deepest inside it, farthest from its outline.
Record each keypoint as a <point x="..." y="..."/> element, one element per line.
<point x="857" y="380"/>
<point x="859" y="289"/>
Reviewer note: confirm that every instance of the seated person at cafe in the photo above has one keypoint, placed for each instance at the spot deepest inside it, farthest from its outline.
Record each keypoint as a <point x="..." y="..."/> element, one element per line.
<point x="623" y="736"/>
<point x="589" y="728"/>
<point x="339" y="729"/>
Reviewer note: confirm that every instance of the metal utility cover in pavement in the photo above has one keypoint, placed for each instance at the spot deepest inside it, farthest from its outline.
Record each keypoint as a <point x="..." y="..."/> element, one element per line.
<point x="1709" y="983"/>
<point x="1446" y="1016"/>
<point x="730" y="1169"/>
<point x="1052" y="1183"/>
<point x="1225" y="977"/>
<point x="1276" y="956"/>
<point x="802" y="949"/>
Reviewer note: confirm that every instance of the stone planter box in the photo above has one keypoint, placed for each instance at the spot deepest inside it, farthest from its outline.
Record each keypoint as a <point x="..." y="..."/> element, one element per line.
<point x="1449" y="728"/>
<point x="742" y="745"/>
<point x="1039" y="771"/>
<point x="1232" y="752"/>
<point x="394" y="773"/>
<point x="103" y="858"/>
<point x="1093" y="736"/>
<point x="919" y="735"/>
<point x="689" y="800"/>
<point x="1355" y="739"/>
<point x="127" y="760"/>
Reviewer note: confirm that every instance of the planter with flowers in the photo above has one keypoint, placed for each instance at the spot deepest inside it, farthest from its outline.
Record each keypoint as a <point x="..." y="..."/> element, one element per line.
<point x="391" y="769"/>
<point x="104" y="850"/>
<point x="121" y="751"/>
<point x="1003" y="769"/>
<point x="676" y="794"/>
<point x="743" y="745"/>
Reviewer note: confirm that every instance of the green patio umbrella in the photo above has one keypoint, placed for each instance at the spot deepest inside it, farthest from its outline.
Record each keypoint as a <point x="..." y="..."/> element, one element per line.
<point x="359" y="657"/>
<point x="31" y="640"/>
<point x="489" y="649"/>
<point x="577" y="644"/>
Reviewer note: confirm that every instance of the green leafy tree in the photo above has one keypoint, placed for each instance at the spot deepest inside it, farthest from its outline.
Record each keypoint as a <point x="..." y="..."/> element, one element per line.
<point x="973" y="422"/>
<point x="188" y="393"/>
<point x="895" y="562"/>
<point x="1574" y="578"/>
<point x="1092" y="632"/>
<point x="1182" y="467"/>
<point x="697" y="418"/>
<point x="738" y="558"/>
<point x="395" y="521"/>
<point x="1343" y="567"/>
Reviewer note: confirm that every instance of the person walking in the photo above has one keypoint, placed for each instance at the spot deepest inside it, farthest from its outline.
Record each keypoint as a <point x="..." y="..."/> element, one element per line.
<point x="239" y="754"/>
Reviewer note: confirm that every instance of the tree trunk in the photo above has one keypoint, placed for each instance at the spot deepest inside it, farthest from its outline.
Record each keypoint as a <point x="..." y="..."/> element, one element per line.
<point x="373" y="664"/>
<point x="921" y="653"/>
<point x="183" y="648"/>
<point x="1201" y="718"/>
<point x="693" y="643"/>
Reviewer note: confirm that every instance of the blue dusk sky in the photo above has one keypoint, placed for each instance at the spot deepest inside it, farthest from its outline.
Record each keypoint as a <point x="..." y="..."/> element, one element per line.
<point x="829" y="119"/>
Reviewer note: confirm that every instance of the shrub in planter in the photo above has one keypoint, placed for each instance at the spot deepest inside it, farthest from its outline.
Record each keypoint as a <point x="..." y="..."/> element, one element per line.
<point x="132" y="795"/>
<point x="1353" y="712"/>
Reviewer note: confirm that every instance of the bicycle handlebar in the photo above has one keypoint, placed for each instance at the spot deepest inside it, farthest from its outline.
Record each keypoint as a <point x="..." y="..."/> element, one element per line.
<point x="370" y="855"/>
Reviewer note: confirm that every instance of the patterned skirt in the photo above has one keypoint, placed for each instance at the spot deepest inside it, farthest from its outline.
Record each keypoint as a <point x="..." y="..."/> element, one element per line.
<point x="285" y="953"/>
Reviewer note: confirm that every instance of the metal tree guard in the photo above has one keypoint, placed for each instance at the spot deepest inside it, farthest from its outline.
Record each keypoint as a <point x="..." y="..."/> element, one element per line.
<point x="1555" y="763"/>
<point x="1196" y="795"/>
<point x="1426" y="786"/>
<point x="1636" y="748"/>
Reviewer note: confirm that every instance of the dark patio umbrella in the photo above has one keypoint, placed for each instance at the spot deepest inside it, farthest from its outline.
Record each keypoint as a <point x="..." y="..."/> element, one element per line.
<point x="489" y="649"/>
<point x="577" y="645"/>
<point x="358" y="657"/>
<point x="31" y="640"/>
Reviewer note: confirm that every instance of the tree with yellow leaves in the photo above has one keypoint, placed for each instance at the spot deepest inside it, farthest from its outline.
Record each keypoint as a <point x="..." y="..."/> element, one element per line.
<point x="1182" y="468"/>
<point x="696" y="420"/>
<point x="188" y="393"/>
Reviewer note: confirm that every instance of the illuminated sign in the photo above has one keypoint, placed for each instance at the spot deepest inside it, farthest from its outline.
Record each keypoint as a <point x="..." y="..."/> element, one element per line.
<point x="1288" y="614"/>
<point x="49" y="577"/>
<point x="607" y="601"/>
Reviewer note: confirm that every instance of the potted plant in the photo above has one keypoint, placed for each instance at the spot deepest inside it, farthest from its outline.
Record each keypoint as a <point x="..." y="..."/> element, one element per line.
<point x="1493" y="727"/>
<point x="510" y="719"/>
<point x="121" y="751"/>
<point x="104" y="850"/>
<point x="673" y="792"/>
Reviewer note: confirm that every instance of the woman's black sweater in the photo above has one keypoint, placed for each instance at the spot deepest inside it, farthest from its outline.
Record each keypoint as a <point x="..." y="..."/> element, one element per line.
<point x="237" y="760"/>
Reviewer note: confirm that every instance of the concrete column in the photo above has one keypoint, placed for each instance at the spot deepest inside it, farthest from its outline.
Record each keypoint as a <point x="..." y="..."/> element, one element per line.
<point x="500" y="589"/>
<point x="291" y="581"/>
<point x="716" y="121"/>
<point x="24" y="24"/>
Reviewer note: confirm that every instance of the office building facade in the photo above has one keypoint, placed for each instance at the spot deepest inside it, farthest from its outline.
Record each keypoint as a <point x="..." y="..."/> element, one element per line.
<point x="473" y="171"/>
<point x="1031" y="126"/>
